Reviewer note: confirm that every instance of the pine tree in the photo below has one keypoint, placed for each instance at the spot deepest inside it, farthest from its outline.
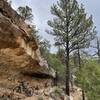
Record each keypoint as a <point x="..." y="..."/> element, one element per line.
<point x="26" y="13"/>
<point x="45" y="48"/>
<point x="70" y="27"/>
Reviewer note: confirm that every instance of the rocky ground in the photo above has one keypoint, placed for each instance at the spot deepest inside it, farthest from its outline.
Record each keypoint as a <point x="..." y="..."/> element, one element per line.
<point x="47" y="93"/>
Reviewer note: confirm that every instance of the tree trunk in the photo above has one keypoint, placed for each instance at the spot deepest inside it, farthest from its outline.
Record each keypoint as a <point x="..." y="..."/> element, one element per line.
<point x="67" y="72"/>
<point x="79" y="64"/>
<point x="98" y="48"/>
<point x="99" y="59"/>
<point x="56" y="79"/>
<point x="98" y="54"/>
<point x="79" y="58"/>
<point x="83" y="94"/>
<point x="67" y="50"/>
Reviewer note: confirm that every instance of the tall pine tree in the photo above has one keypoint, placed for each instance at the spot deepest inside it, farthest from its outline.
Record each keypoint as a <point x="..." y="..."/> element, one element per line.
<point x="70" y="27"/>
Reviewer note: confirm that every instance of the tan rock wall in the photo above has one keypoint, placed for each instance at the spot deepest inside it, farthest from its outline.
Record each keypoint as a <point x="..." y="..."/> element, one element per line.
<point x="19" y="53"/>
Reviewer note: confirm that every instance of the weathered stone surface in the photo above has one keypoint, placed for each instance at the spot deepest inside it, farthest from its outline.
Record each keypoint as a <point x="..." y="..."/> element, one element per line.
<point x="20" y="58"/>
<point x="7" y="11"/>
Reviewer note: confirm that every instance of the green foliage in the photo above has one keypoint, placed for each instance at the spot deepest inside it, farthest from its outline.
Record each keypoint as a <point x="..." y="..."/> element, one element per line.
<point x="45" y="48"/>
<point x="71" y="24"/>
<point x="57" y="91"/>
<point x="89" y="79"/>
<point x="35" y="34"/>
<point x="26" y="13"/>
<point x="55" y="63"/>
<point x="61" y="55"/>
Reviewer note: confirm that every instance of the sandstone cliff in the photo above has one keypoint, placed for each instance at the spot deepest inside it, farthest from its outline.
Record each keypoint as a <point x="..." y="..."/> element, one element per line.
<point x="20" y="58"/>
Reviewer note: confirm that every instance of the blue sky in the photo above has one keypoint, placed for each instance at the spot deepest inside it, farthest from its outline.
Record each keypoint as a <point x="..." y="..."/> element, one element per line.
<point x="41" y="12"/>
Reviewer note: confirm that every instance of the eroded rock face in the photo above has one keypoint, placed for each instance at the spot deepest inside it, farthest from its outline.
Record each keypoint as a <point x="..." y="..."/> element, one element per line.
<point x="20" y="58"/>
